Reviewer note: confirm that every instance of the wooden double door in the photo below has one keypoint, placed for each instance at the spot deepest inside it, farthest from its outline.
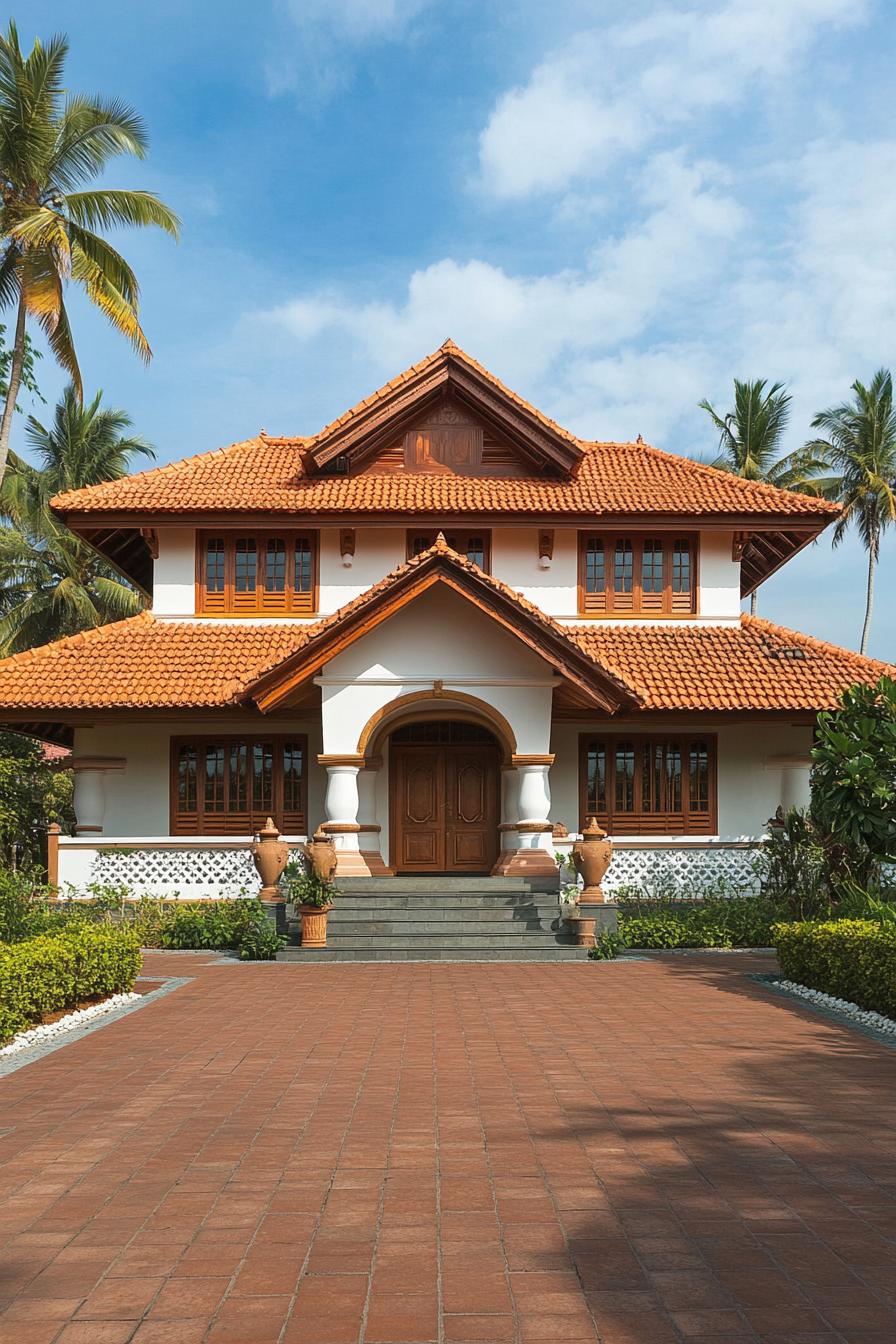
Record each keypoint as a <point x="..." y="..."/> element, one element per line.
<point x="445" y="806"/>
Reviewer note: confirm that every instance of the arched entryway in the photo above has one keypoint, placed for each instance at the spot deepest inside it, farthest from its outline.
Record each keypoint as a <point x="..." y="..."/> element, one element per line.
<point x="445" y="797"/>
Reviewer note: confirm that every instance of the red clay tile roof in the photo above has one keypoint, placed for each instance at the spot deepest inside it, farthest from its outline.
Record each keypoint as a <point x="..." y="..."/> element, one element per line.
<point x="145" y="663"/>
<point x="266" y="475"/>
<point x="752" y="665"/>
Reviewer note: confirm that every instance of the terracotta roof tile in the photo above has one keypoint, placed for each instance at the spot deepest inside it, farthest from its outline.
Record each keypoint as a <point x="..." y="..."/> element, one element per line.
<point x="266" y="476"/>
<point x="145" y="663"/>
<point x="751" y="665"/>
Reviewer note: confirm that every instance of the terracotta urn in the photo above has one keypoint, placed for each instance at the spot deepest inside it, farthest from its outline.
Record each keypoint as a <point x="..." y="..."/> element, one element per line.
<point x="314" y="925"/>
<point x="321" y="854"/>
<point x="270" y="855"/>
<point x="591" y="857"/>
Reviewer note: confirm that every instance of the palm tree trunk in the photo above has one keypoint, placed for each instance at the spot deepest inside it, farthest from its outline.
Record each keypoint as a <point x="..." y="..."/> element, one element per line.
<point x="753" y="603"/>
<point x="869" y="599"/>
<point x="16" y="365"/>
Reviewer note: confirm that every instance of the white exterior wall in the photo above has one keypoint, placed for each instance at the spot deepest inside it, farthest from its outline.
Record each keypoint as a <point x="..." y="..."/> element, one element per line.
<point x="438" y="637"/>
<point x="379" y="550"/>
<point x="136" y="798"/>
<point x="758" y="768"/>
<point x="174" y="573"/>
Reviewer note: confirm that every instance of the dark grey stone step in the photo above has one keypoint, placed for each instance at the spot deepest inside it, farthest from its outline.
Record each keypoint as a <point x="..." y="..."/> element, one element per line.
<point x="465" y="901"/>
<point x="456" y="885"/>
<point x="333" y="955"/>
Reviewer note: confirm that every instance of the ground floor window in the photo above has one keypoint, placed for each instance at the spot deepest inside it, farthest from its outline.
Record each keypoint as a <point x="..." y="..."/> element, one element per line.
<point x="231" y="785"/>
<point x="657" y="785"/>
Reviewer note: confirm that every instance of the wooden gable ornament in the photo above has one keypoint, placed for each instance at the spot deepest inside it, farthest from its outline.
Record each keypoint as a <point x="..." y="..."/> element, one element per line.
<point x="446" y="414"/>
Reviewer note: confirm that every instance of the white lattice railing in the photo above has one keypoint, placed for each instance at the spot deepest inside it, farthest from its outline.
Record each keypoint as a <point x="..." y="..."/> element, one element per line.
<point x="688" y="868"/>
<point x="187" y="868"/>
<point x="194" y="869"/>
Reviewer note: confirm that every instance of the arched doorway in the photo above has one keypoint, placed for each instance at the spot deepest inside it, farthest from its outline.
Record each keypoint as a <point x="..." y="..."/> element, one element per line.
<point x="445" y="802"/>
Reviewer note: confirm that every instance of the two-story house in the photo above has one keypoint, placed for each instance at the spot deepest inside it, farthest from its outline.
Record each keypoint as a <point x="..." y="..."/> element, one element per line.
<point x="444" y="628"/>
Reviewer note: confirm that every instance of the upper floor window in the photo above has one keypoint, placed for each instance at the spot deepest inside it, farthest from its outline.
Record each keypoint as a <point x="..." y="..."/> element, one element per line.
<point x="475" y="545"/>
<point x="257" y="573"/>
<point x="638" y="785"/>
<point x="637" y="575"/>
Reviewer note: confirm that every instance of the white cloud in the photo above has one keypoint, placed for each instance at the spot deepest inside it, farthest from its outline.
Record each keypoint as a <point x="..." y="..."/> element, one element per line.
<point x="613" y="90"/>
<point x="316" y="57"/>
<point x="532" y="329"/>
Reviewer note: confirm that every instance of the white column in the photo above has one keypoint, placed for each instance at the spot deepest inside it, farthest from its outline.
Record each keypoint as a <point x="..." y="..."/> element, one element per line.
<point x="341" y="804"/>
<point x="795" y="786"/>
<point x="534" y="804"/>
<point x="90" y="790"/>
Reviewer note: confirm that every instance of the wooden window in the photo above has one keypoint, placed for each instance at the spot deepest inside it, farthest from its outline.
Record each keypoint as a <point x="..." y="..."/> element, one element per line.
<point x="653" y="785"/>
<point x="475" y="545"/>
<point x="256" y="574"/>
<point x="231" y="785"/>
<point x="637" y="575"/>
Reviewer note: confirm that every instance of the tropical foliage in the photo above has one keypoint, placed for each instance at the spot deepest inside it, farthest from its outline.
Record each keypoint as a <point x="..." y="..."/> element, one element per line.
<point x="858" y="445"/>
<point x="51" y="583"/>
<point x="31" y="795"/>
<point x="750" y="440"/>
<point x="52" y="145"/>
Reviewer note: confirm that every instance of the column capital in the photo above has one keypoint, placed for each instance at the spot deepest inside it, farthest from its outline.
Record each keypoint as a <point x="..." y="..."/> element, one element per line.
<point x="518" y="760"/>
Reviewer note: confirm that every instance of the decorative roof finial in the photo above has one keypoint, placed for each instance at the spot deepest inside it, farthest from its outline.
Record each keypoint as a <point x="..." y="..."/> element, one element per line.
<point x="441" y="543"/>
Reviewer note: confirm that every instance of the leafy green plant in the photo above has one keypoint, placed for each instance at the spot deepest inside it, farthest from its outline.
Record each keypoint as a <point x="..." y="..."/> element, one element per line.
<point x="607" y="946"/>
<point x="242" y="924"/>
<point x="24" y="903"/>
<point x="56" y="971"/>
<point x="852" y="959"/>
<point x="792" y="867"/>
<point x="301" y="884"/>
<point x="854" y="782"/>
<point x="714" y="922"/>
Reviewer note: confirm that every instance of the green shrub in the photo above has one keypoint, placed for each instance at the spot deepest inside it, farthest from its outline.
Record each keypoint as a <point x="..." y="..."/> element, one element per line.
<point x="853" y="959"/>
<point x="57" y="971"/>
<point x="792" y="866"/>
<point x="301" y="885"/>
<point x="242" y="924"/>
<point x="744" y="921"/>
<point x="607" y="946"/>
<point x="24" y="901"/>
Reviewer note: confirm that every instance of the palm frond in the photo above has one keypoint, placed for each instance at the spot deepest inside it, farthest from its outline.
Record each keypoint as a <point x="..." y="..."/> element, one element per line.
<point x="109" y="299"/>
<point x="90" y="132"/>
<point x="106" y="209"/>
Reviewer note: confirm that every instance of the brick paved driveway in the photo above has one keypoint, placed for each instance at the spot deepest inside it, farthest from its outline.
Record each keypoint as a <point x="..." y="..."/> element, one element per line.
<point x="639" y="1152"/>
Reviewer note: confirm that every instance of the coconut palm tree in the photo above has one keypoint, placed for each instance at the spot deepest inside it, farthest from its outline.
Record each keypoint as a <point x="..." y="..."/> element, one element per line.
<point x="750" y="441"/>
<point x="52" y="583"/>
<point x="51" y="145"/>
<point x="858" y="444"/>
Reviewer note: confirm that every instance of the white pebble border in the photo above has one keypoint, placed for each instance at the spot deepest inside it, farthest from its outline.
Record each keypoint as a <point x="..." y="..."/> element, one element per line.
<point x="863" y="1015"/>
<point x="37" y="1035"/>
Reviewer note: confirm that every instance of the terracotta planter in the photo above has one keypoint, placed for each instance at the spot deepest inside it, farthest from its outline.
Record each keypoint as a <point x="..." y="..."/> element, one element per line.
<point x="322" y="853"/>
<point x="591" y="856"/>
<point x="314" y="925"/>
<point x="270" y="856"/>
<point x="583" y="930"/>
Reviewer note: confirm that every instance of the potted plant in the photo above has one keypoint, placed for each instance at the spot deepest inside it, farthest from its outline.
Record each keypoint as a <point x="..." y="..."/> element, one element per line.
<point x="313" y="896"/>
<point x="582" y="926"/>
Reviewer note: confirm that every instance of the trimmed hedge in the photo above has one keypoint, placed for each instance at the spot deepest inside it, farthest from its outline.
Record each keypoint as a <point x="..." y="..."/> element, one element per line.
<point x="56" y="971"/>
<point x="853" y="959"/>
<point x="715" y="922"/>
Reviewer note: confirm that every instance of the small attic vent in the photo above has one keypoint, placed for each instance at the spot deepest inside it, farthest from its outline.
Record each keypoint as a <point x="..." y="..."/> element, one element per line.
<point x="339" y="465"/>
<point x="788" y="652"/>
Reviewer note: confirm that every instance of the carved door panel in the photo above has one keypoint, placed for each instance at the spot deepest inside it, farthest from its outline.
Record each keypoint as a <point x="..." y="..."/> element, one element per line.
<point x="472" y="809"/>
<point x="419" y="796"/>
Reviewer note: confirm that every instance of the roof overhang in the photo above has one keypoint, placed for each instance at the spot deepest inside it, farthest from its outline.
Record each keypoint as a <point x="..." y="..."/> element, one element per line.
<point x="591" y="685"/>
<point x="372" y="424"/>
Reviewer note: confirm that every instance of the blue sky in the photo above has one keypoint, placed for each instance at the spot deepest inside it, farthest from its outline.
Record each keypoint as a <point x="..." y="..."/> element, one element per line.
<point x="617" y="209"/>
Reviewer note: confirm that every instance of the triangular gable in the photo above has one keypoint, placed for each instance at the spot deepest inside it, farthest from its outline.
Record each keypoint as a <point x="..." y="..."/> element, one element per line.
<point x="446" y="386"/>
<point x="591" y="684"/>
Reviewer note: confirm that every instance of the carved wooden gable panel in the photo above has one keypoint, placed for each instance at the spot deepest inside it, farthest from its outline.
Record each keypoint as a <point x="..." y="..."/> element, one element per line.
<point x="449" y="439"/>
